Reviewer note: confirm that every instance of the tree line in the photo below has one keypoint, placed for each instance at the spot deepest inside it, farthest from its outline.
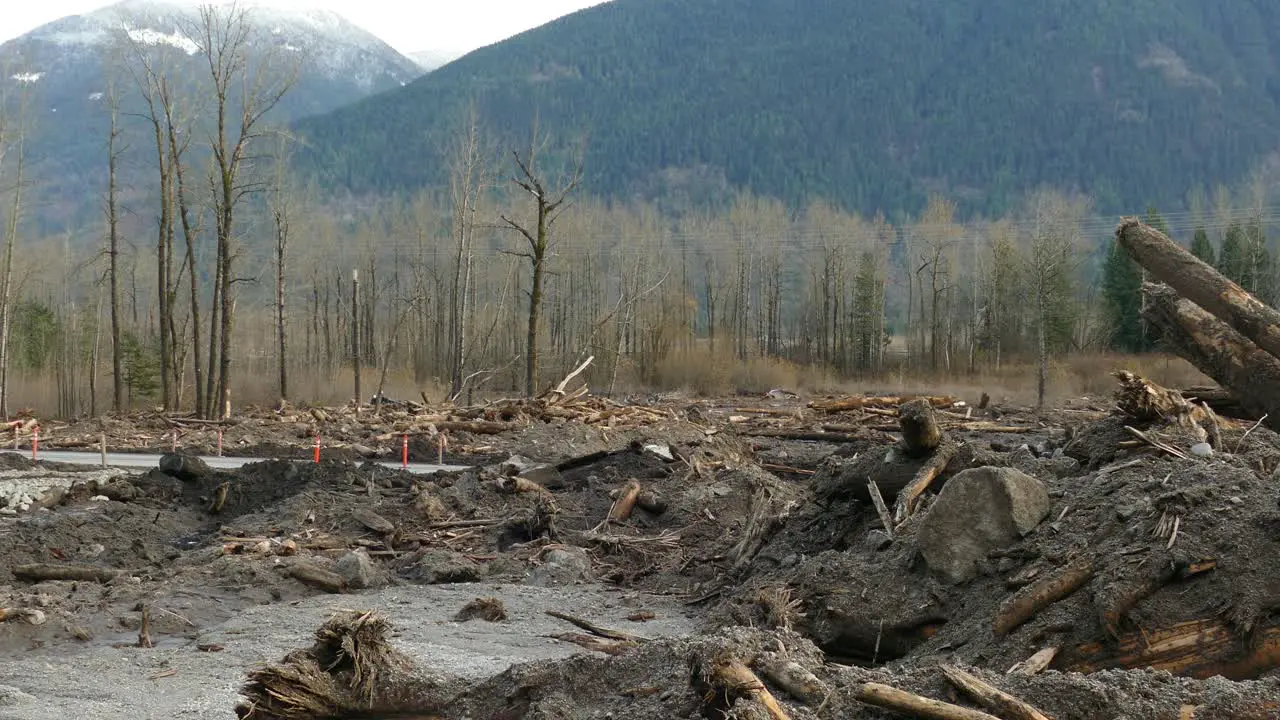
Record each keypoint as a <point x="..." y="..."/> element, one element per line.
<point x="236" y="282"/>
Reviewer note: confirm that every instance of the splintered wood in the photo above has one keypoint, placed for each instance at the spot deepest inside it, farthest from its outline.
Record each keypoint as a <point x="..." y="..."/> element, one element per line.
<point x="1197" y="648"/>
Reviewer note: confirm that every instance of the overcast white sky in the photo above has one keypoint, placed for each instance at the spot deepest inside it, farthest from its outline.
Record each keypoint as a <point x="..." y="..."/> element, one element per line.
<point x="406" y="25"/>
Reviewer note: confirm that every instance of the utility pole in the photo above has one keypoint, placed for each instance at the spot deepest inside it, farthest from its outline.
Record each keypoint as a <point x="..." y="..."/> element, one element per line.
<point x="355" y="330"/>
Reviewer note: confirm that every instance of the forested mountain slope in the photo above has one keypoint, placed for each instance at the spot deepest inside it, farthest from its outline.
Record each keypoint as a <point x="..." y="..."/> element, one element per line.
<point x="869" y="104"/>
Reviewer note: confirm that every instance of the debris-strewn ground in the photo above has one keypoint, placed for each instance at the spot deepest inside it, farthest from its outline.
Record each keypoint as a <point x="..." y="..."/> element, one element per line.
<point x="1135" y="561"/>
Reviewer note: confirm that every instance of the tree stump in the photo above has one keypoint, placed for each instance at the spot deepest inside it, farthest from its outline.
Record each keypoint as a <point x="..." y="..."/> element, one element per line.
<point x="920" y="432"/>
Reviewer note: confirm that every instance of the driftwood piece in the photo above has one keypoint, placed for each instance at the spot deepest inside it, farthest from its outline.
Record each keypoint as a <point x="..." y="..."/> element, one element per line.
<point x="1030" y="600"/>
<point x="144" y="632"/>
<point x="804" y="435"/>
<point x="558" y="391"/>
<point x="591" y="642"/>
<point x="736" y="680"/>
<point x="919" y="425"/>
<point x="1196" y="648"/>
<point x="794" y="679"/>
<point x="30" y="616"/>
<point x="39" y="572"/>
<point x="1197" y="281"/>
<point x="593" y="628"/>
<point x="514" y="485"/>
<point x="626" y="502"/>
<point x="990" y="697"/>
<point x="909" y="496"/>
<point x="1249" y="372"/>
<point x="1037" y="662"/>
<point x="881" y="509"/>
<point x="912" y="705"/>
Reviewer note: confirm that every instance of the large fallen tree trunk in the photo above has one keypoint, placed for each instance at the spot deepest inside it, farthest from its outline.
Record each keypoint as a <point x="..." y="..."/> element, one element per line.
<point x="1197" y="281"/>
<point x="1197" y="648"/>
<point x="1248" y="371"/>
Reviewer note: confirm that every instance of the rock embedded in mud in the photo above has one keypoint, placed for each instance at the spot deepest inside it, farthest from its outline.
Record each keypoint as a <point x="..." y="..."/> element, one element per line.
<point x="358" y="570"/>
<point x="978" y="511"/>
<point x="438" y="566"/>
<point x="562" y="566"/>
<point x="184" y="467"/>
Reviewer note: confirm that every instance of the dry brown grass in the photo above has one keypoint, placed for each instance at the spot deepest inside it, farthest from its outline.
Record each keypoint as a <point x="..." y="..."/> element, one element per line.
<point x="697" y="373"/>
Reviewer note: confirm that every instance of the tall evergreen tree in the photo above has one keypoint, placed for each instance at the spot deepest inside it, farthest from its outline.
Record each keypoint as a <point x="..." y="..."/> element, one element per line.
<point x="1232" y="259"/>
<point x="1122" y="295"/>
<point x="1201" y="247"/>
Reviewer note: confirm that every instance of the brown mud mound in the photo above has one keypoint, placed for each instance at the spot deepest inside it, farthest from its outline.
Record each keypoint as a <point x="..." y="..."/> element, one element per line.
<point x="1129" y="565"/>
<point x="353" y="672"/>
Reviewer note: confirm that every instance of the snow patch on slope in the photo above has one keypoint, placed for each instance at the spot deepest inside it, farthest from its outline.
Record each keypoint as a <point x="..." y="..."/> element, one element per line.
<point x="147" y="36"/>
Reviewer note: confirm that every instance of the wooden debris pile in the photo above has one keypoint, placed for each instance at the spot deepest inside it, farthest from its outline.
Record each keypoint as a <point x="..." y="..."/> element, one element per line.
<point x="1172" y="422"/>
<point x="1210" y="321"/>
<point x="367" y="430"/>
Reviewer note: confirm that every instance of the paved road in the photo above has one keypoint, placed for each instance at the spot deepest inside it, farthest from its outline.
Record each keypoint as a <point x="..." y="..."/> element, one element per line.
<point x="140" y="460"/>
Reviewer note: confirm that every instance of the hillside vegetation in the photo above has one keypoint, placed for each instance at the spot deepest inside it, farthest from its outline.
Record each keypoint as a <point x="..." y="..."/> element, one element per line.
<point x="869" y="105"/>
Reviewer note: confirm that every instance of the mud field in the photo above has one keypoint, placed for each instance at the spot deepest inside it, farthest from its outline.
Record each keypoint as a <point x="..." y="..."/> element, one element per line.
<point x="666" y="557"/>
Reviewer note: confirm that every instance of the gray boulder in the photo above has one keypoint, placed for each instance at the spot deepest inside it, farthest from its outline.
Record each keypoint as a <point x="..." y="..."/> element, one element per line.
<point x="979" y="510"/>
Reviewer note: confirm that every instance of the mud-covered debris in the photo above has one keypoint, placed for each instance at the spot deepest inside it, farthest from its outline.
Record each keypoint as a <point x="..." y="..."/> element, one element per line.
<point x="373" y="520"/>
<point x="358" y="570"/>
<point x="185" y="467"/>
<point x="489" y="609"/>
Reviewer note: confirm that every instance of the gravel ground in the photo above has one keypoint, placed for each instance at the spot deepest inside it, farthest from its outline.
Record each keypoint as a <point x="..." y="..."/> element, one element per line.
<point x="176" y="680"/>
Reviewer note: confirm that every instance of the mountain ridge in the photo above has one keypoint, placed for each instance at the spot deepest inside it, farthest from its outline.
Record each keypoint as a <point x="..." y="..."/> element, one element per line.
<point x="64" y="67"/>
<point x="873" y="107"/>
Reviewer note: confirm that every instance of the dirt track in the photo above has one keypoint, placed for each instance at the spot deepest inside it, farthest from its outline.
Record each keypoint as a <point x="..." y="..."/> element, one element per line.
<point x="177" y="680"/>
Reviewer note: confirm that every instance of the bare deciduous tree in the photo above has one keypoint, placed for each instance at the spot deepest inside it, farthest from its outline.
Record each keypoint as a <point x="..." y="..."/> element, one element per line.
<point x="243" y="94"/>
<point x="548" y="204"/>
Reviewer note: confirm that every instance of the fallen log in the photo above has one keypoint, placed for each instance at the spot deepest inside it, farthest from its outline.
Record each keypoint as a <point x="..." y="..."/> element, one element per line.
<point x="857" y="402"/>
<point x="1196" y="648"/>
<point x="1115" y="601"/>
<point x="1219" y="401"/>
<point x="901" y="701"/>
<point x="735" y="680"/>
<point x="1030" y="600"/>
<point x="1198" y="282"/>
<point x="909" y="496"/>
<point x="831" y="437"/>
<point x="475" y="427"/>
<point x="1252" y="374"/>
<point x="39" y="572"/>
<point x="919" y="426"/>
<point x="990" y="697"/>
